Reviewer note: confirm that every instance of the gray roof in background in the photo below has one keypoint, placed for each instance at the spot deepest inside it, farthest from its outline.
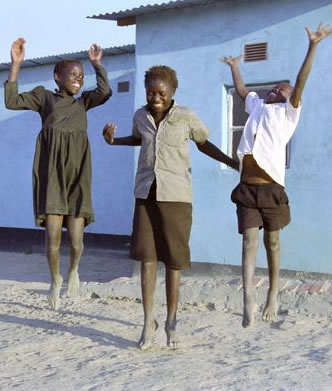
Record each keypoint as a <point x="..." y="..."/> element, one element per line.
<point x="117" y="50"/>
<point x="83" y="55"/>
<point x="153" y="8"/>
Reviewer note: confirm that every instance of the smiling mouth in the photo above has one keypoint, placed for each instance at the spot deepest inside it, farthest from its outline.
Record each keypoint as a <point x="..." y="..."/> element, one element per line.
<point x="76" y="85"/>
<point x="272" y="96"/>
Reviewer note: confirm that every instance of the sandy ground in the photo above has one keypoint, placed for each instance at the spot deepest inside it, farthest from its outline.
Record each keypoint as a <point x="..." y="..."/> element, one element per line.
<point x="90" y="342"/>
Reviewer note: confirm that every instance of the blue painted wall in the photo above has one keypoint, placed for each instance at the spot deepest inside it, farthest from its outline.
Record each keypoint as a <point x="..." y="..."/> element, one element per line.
<point x="191" y="41"/>
<point x="112" y="168"/>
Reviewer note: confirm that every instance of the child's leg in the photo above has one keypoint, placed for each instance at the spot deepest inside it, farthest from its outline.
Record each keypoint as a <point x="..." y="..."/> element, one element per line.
<point x="53" y="225"/>
<point x="75" y="231"/>
<point x="272" y="246"/>
<point x="173" y="278"/>
<point x="249" y="251"/>
<point x="148" y="286"/>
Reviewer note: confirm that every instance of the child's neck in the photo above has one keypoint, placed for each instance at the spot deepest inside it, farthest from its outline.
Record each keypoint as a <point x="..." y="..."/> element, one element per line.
<point x="158" y="117"/>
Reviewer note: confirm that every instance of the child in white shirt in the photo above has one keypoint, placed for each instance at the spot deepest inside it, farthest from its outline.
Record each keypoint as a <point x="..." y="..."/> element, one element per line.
<point x="260" y="197"/>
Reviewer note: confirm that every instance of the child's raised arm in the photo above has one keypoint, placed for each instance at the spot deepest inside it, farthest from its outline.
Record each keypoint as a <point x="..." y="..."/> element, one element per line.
<point x="27" y="100"/>
<point x="102" y="93"/>
<point x="233" y="62"/>
<point x="314" y="38"/>
<point x="17" y="54"/>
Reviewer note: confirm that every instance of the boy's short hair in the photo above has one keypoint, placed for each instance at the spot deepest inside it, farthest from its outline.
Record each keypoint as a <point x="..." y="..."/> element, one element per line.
<point x="60" y="65"/>
<point x="162" y="72"/>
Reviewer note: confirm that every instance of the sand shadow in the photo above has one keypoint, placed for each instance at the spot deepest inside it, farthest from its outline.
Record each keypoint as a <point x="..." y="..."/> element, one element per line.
<point x="320" y="355"/>
<point x="95" y="266"/>
<point x="73" y="313"/>
<point x="99" y="337"/>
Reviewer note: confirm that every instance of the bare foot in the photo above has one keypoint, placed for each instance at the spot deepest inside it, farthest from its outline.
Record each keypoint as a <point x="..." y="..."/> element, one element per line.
<point x="54" y="293"/>
<point x="271" y="307"/>
<point x="73" y="287"/>
<point x="145" y="342"/>
<point x="249" y="311"/>
<point x="171" y="336"/>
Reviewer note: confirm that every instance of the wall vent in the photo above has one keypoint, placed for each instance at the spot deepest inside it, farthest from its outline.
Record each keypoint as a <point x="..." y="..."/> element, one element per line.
<point x="123" y="86"/>
<point x="255" y="52"/>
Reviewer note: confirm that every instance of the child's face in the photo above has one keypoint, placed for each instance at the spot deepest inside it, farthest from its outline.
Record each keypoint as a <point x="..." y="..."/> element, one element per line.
<point x="70" y="79"/>
<point x="279" y="93"/>
<point x="159" y="95"/>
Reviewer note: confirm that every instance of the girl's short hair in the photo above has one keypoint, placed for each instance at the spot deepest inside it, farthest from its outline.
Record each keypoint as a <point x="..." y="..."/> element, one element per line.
<point x="162" y="72"/>
<point x="60" y="65"/>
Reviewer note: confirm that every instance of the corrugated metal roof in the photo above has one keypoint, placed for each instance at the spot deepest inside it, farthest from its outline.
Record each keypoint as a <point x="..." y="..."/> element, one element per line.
<point x="152" y="8"/>
<point x="34" y="62"/>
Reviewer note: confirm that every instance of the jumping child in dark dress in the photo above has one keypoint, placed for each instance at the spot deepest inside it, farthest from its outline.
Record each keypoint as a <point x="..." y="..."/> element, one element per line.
<point x="62" y="162"/>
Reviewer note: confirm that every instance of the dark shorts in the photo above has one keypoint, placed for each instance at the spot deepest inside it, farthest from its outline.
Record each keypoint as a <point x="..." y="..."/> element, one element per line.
<point x="261" y="205"/>
<point x="161" y="231"/>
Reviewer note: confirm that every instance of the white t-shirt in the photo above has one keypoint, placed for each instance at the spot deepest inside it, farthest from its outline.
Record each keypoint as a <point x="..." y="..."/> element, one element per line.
<point x="266" y="134"/>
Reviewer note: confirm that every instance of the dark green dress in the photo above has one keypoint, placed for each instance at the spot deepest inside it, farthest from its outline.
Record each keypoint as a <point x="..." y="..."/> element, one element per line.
<point x="62" y="162"/>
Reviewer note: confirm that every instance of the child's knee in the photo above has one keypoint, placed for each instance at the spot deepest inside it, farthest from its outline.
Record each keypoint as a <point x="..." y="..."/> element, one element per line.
<point x="272" y="241"/>
<point x="250" y="241"/>
<point x="76" y="246"/>
<point x="53" y="246"/>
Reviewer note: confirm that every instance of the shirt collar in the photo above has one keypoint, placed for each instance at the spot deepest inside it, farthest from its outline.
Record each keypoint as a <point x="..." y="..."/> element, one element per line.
<point x="63" y="94"/>
<point x="170" y="111"/>
<point x="173" y="106"/>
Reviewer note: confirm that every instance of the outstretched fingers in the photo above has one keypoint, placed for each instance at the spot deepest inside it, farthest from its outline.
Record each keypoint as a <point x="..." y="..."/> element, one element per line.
<point x="230" y="60"/>
<point x="95" y="52"/>
<point x="17" y="50"/>
<point x="324" y="29"/>
<point x="109" y="131"/>
<point x="322" y="32"/>
<point x="19" y="42"/>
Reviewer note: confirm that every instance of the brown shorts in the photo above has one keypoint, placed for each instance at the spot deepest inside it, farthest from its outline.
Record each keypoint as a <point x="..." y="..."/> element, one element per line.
<point x="161" y="231"/>
<point x="261" y="205"/>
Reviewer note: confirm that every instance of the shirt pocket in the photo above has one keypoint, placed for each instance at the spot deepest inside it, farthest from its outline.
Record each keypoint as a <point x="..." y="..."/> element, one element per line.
<point x="174" y="134"/>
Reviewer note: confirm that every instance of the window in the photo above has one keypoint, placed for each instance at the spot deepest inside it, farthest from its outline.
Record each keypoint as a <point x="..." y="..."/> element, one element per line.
<point x="237" y="116"/>
<point x="123" y="86"/>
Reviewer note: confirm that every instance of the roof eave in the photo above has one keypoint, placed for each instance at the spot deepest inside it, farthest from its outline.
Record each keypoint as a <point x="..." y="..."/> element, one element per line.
<point x="128" y="17"/>
<point x="128" y="21"/>
<point x="82" y="55"/>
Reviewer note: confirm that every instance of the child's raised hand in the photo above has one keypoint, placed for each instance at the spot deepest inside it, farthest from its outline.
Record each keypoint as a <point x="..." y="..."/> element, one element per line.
<point x="95" y="53"/>
<point x="231" y="61"/>
<point x="108" y="132"/>
<point x="322" y="32"/>
<point x="17" y="51"/>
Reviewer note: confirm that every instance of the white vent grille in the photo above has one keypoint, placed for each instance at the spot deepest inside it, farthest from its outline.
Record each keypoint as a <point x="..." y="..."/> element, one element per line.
<point x="255" y="52"/>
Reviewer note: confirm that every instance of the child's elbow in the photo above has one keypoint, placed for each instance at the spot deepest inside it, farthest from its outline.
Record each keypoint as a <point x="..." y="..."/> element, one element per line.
<point x="9" y="104"/>
<point x="107" y="93"/>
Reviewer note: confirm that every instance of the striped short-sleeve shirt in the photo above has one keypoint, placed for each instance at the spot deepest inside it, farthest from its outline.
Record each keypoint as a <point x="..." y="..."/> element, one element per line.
<point x="164" y="154"/>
